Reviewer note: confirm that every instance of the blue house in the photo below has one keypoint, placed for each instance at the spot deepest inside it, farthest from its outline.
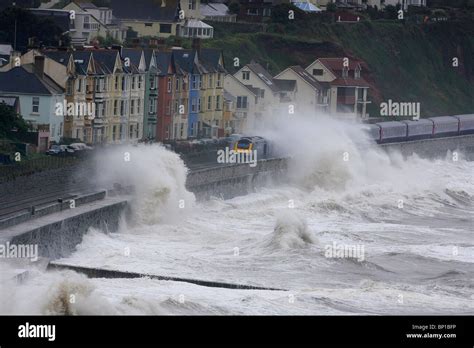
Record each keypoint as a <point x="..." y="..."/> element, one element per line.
<point x="38" y="94"/>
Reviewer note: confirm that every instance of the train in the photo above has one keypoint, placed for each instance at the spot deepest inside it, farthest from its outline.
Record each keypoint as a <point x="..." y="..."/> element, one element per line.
<point x="252" y="143"/>
<point x="426" y="128"/>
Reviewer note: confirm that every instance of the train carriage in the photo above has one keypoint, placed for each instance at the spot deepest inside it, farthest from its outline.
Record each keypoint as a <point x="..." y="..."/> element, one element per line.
<point x="392" y="131"/>
<point x="466" y="124"/>
<point x="445" y="126"/>
<point x="421" y="129"/>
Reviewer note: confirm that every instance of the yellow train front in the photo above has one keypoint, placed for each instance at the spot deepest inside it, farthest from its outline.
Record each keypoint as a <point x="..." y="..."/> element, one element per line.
<point x="252" y="144"/>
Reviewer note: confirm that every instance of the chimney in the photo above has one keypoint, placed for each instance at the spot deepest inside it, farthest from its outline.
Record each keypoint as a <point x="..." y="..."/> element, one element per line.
<point x="197" y="45"/>
<point x="39" y="65"/>
<point x="118" y="48"/>
<point x="15" y="59"/>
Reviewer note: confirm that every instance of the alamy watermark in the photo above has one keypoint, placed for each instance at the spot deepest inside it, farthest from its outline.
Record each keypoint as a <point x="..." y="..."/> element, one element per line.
<point x="345" y="251"/>
<point x="392" y="108"/>
<point x="19" y="251"/>
<point x="240" y="157"/>
<point x="81" y="109"/>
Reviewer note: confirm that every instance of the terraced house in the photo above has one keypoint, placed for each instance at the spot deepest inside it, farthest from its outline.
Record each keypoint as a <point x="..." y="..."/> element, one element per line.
<point x="100" y="79"/>
<point x="211" y="93"/>
<point x="191" y="94"/>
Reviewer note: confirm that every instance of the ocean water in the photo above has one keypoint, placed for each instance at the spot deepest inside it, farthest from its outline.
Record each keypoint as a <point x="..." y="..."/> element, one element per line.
<point x="354" y="231"/>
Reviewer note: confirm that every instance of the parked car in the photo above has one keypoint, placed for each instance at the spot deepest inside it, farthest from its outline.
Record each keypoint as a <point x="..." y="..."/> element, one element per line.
<point x="80" y="147"/>
<point x="60" y="150"/>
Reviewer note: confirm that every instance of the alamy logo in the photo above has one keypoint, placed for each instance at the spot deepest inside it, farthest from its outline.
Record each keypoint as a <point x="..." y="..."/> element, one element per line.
<point x="83" y="109"/>
<point x="392" y="108"/>
<point x="37" y="331"/>
<point x="20" y="251"/>
<point x="345" y="251"/>
<point x="231" y="156"/>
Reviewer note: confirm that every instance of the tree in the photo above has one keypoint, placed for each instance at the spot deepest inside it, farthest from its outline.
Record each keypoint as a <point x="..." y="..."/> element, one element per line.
<point x="234" y="7"/>
<point x="11" y="121"/>
<point x="44" y="30"/>
<point x="390" y="12"/>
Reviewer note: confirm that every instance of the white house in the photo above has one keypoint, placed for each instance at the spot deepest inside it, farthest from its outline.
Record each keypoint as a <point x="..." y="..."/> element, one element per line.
<point x="276" y="95"/>
<point x="311" y="95"/>
<point x="248" y="111"/>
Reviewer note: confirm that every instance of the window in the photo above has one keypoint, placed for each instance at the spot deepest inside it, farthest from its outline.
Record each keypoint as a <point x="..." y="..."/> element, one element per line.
<point x="69" y="87"/>
<point x="169" y="84"/>
<point x="177" y="84"/>
<point x="209" y="103"/>
<point x="151" y="107"/>
<point x="140" y="82"/>
<point x="79" y="85"/>
<point x="252" y="11"/>
<point x="182" y="130"/>
<point x="211" y="82"/>
<point x="35" y="106"/>
<point x="267" y="12"/>
<point x="199" y="104"/>
<point x="168" y="107"/>
<point x="194" y="82"/>
<point x="318" y="72"/>
<point x="345" y="72"/>
<point x="200" y="81"/>
<point x="115" y="107"/>
<point x="165" y="28"/>
<point x="131" y="132"/>
<point x="132" y="107"/>
<point x="148" y="24"/>
<point x="218" y="102"/>
<point x="124" y="83"/>
<point x="357" y="74"/>
<point x="245" y="75"/>
<point x="122" y="108"/>
<point x="114" y="133"/>
<point x="139" y="106"/>
<point x="242" y="102"/>
<point x="193" y="105"/>
<point x="133" y="82"/>
<point x="152" y="82"/>
<point x="116" y="83"/>
<point x="191" y="4"/>
<point x="219" y="79"/>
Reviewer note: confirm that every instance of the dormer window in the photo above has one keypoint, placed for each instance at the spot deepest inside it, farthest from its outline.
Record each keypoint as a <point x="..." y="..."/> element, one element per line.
<point x="245" y="75"/>
<point x="345" y="72"/>
<point x="357" y="74"/>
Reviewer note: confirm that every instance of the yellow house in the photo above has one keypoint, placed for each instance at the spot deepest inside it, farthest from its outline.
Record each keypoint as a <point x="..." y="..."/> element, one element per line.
<point x="158" y="18"/>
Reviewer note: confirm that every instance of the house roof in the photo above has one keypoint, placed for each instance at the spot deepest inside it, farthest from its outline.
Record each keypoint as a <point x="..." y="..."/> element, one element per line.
<point x="6" y="49"/>
<point x="62" y="57"/>
<point x="86" y="5"/>
<point x="81" y="61"/>
<point x="214" y="9"/>
<point x="23" y="80"/>
<point x="104" y="60"/>
<point x="4" y="59"/>
<point x="310" y="79"/>
<point x="146" y="10"/>
<point x="9" y="101"/>
<point x="210" y="59"/>
<point x="276" y="85"/>
<point x="306" y="6"/>
<point x="163" y="60"/>
<point x="194" y="23"/>
<point x="336" y="65"/>
<point x="134" y="54"/>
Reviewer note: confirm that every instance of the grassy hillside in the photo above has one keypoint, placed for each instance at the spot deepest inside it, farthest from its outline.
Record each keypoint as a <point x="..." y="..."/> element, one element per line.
<point x="407" y="62"/>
